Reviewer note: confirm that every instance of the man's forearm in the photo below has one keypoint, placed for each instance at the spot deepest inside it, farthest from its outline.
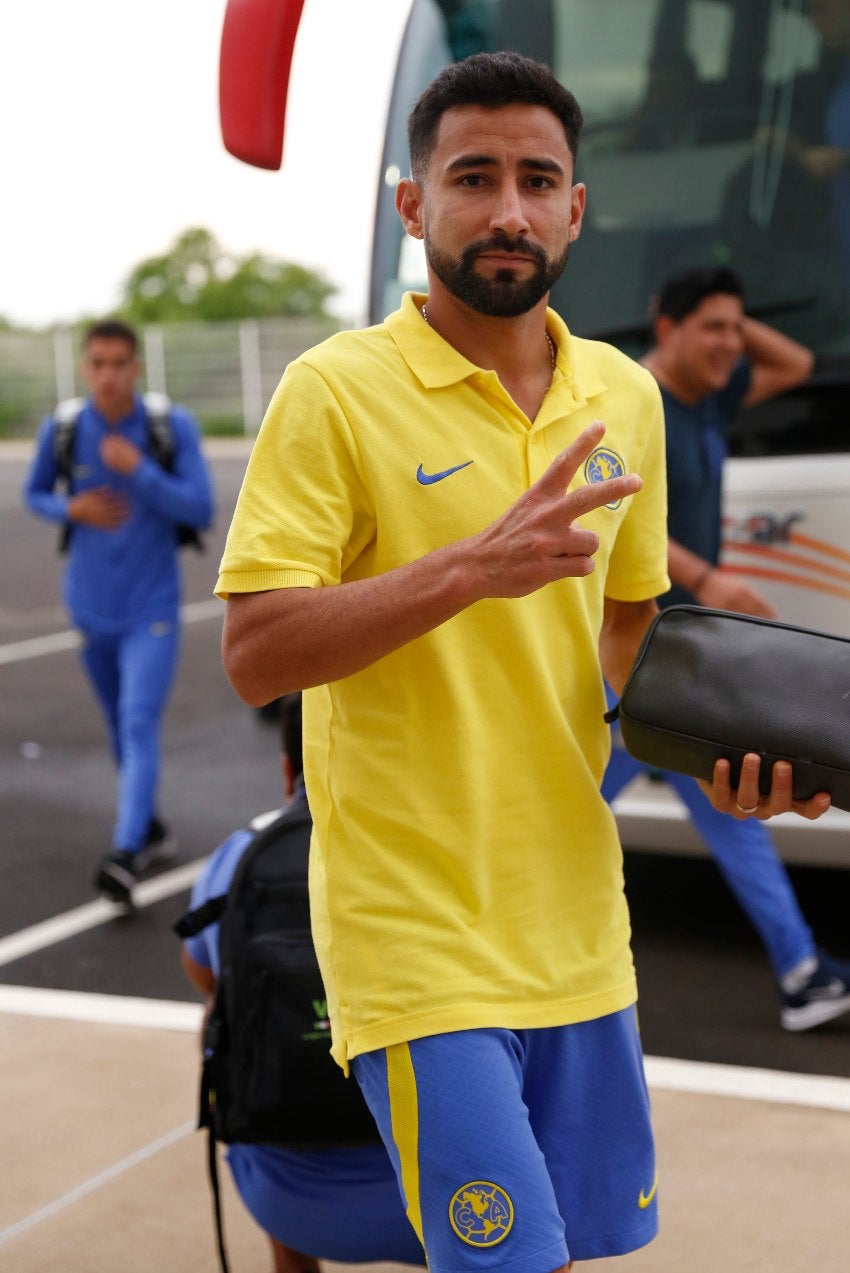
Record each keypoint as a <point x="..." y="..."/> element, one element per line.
<point x="686" y="569"/>
<point x="623" y="627"/>
<point x="293" y="638"/>
<point x="778" y="363"/>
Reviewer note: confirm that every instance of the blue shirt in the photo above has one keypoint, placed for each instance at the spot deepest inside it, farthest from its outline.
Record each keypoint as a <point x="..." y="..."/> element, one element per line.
<point x="117" y="579"/>
<point x="696" y="450"/>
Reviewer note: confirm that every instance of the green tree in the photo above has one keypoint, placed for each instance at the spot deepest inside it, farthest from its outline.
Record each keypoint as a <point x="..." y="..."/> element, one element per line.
<point x="196" y="280"/>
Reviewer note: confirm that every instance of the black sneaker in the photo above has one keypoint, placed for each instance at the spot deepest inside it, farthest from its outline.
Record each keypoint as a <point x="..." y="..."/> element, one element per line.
<point x="823" y="997"/>
<point x="115" y="877"/>
<point x="160" y="846"/>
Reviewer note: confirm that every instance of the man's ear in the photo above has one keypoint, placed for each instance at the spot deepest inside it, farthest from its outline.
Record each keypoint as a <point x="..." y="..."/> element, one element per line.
<point x="578" y="200"/>
<point x="663" y="327"/>
<point x="408" y="202"/>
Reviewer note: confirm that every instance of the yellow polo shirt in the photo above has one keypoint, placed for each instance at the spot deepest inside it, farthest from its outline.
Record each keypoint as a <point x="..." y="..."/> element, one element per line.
<point x="464" y="869"/>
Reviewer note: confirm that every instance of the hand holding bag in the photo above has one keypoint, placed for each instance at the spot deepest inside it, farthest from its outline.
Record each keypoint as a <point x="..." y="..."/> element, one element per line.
<point x="711" y="684"/>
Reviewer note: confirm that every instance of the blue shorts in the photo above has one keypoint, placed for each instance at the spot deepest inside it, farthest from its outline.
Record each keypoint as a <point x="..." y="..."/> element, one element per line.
<point x="525" y="1148"/>
<point x="336" y="1204"/>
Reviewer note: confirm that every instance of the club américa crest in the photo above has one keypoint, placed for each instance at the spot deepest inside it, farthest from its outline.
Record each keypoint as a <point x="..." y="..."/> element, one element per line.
<point x="481" y="1213"/>
<point x="602" y="464"/>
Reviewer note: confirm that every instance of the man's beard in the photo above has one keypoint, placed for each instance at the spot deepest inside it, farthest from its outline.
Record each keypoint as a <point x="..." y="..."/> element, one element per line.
<point x="503" y="295"/>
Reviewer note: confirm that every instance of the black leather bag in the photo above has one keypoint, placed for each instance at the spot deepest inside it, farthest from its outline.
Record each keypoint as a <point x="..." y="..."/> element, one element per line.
<point x="710" y="684"/>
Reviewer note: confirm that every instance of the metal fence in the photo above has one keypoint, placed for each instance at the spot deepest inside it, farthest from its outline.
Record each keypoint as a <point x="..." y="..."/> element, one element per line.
<point x="224" y="373"/>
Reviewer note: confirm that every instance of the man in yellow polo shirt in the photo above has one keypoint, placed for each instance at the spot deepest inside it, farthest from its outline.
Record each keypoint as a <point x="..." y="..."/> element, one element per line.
<point x="450" y="525"/>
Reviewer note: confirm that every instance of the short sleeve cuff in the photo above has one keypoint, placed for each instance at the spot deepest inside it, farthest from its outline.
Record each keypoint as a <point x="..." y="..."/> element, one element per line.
<point x="230" y="581"/>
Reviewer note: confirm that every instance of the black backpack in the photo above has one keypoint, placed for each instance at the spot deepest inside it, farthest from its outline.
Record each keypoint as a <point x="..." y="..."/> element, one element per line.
<point x="267" y="1075"/>
<point x="160" y="439"/>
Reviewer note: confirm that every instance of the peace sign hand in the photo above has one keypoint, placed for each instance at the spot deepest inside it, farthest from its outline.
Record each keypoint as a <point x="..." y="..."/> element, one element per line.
<point x="539" y="539"/>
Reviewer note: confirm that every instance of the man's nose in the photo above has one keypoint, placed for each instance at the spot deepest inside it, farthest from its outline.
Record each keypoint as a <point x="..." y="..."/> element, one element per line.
<point x="509" y="213"/>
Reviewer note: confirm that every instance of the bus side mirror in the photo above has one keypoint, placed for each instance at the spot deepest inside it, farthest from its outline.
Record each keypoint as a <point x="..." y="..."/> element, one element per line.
<point x="257" y="41"/>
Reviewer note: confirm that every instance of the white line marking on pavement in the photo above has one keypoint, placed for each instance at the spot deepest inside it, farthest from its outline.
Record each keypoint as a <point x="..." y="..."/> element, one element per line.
<point x="37" y="647"/>
<point x="703" y="1078"/>
<point x="700" y="1078"/>
<point x="198" y="611"/>
<point x="60" y="927"/>
<point x="94" y="1183"/>
<point x="100" y="1009"/>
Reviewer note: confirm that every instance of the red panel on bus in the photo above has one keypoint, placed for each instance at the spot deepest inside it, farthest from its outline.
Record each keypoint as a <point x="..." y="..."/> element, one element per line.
<point x="257" y="40"/>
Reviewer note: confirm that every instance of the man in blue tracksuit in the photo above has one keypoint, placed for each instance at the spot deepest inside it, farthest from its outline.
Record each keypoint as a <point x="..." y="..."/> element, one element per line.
<point x="122" y="509"/>
<point x="709" y="359"/>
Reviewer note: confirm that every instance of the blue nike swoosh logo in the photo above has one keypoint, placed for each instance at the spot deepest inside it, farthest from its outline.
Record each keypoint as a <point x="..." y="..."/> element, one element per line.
<point x="428" y="479"/>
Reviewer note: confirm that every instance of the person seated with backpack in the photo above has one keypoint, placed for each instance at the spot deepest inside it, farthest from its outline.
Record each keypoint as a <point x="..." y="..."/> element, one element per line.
<point x="304" y="1151"/>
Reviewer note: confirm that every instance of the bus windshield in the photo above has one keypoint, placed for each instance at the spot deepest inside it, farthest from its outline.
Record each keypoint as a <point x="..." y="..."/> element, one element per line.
<point x="716" y="131"/>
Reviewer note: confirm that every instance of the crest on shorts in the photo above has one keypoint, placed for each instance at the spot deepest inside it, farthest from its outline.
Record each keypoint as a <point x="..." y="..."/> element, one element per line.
<point x="602" y="464"/>
<point x="481" y="1213"/>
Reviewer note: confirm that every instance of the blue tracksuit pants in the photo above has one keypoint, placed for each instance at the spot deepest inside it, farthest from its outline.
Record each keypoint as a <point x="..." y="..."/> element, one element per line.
<point x="132" y="673"/>
<point x="746" y="857"/>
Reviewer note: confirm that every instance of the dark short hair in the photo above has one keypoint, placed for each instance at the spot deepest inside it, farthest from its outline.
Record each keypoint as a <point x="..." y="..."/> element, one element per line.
<point x="493" y="80"/>
<point x="290" y="730"/>
<point x="685" y="291"/>
<point x="111" y="329"/>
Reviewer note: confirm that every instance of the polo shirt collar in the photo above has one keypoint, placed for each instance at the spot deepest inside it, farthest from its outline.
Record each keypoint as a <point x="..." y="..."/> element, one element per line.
<point x="432" y="360"/>
<point x="437" y="364"/>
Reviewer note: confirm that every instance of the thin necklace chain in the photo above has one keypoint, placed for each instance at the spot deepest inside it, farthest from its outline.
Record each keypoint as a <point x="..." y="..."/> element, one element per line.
<point x="553" y="354"/>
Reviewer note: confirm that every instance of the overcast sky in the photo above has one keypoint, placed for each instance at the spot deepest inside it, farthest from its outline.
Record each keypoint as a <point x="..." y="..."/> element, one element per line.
<point x="111" y="147"/>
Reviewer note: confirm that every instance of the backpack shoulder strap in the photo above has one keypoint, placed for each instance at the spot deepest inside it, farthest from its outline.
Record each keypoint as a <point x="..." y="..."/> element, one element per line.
<point x="292" y="820"/>
<point x="194" y="921"/>
<point x="206" y="1121"/>
<point x="267" y="826"/>
<point x="65" y="418"/>
<point x="158" y="417"/>
<point x="68" y="409"/>
<point x="157" y="408"/>
<point x="212" y="1169"/>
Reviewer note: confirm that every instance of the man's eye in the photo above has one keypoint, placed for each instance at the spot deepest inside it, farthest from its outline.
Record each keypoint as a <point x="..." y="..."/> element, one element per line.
<point x="473" y="179"/>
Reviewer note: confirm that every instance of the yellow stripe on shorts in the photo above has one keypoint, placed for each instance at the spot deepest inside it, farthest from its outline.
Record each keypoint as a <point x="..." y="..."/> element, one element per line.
<point x="404" y="1115"/>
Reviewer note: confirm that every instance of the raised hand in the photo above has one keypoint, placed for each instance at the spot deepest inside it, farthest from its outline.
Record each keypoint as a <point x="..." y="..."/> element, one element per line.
<point x="540" y="538"/>
<point x="119" y="454"/>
